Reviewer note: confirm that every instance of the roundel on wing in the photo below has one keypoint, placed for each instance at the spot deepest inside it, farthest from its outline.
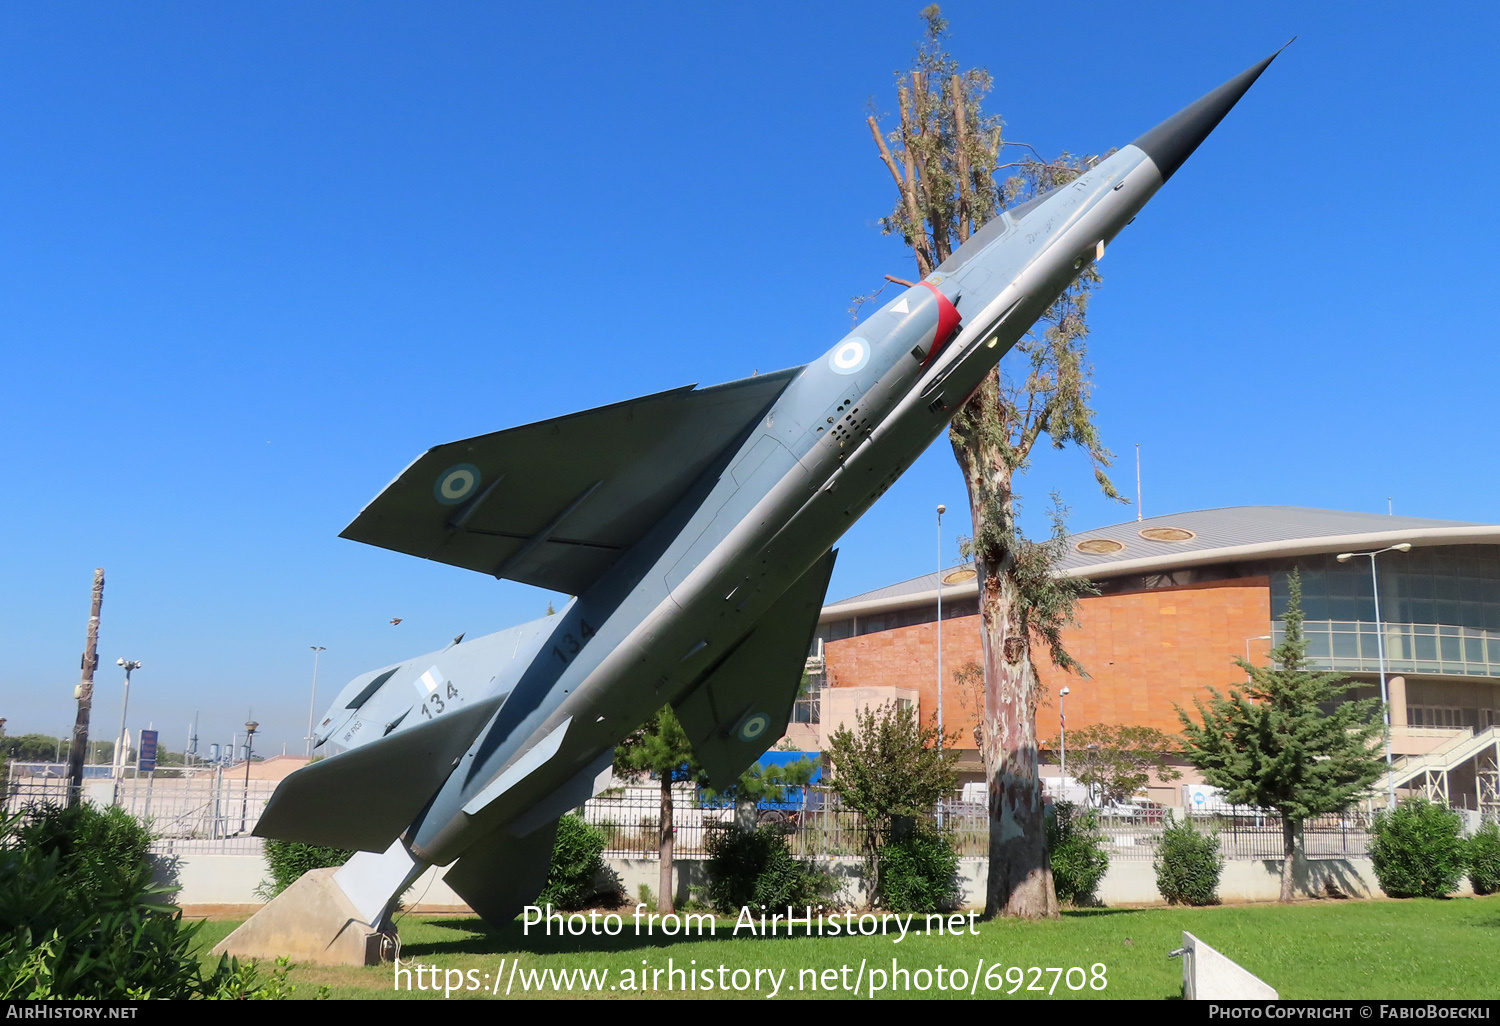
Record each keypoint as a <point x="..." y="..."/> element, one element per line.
<point x="456" y="484"/>
<point x="753" y="726"/>
<point x="849" y="356"/>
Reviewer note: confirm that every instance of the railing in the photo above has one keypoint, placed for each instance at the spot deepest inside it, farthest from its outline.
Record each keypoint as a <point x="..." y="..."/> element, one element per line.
<point x="1244" y="834"/>
<point x="203" y="814"/>
<point x="631" y="820"/>
<point x="1409" y="647"/>
<point x="210" y="814"/>
<point x="821" y="827"/>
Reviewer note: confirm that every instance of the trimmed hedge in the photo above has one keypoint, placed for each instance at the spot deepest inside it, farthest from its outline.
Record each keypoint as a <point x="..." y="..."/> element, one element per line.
<point x="1188" y="865"/>
<point x="1419" y="850"/>
<point x="577" y="859"/>
<point x="1076" y="849"/>
<point x="288" y="860"/>
<point x="1484" y="859"/>
<point x="919" y="873"/>
<point x="756" y="867"/>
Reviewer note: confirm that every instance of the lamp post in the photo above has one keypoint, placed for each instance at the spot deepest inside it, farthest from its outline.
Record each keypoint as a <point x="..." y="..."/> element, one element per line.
<point x="250" y="727"/>
<point x="312" y="703"/>
<point x="1390" y="763"/>
<point x="940" y="511"/>
<point x="1260" y="637"/>
<point x="129" y="665"/>
<point x="1062" y="716"/>
<point x="1088" y="792"/>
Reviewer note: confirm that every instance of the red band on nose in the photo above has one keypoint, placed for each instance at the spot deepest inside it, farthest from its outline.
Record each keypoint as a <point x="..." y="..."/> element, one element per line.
<point x="948" y="319"/>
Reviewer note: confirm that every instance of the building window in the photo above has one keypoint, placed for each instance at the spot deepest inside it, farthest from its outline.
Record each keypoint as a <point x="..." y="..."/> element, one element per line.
<point x="809" y="705"/>
<point x="1432" y="716"/>
<point x="1449" y="718"/>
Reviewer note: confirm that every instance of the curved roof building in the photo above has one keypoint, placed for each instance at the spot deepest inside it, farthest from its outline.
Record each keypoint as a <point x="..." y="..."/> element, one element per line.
<point x="1180" y="597"/>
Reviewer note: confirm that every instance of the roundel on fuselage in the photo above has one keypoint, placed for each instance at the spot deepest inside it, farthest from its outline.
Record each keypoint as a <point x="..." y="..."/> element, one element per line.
<point x="850" y="356"/>
<point x="753" y="727"/>
<point x="456" y="484"/>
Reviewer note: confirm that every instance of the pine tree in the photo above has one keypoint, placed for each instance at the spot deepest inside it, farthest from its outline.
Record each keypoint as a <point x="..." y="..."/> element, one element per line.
<point x="1288" y="741"/>
<point x="772" y="783"/>
<point x="661" y="748"/>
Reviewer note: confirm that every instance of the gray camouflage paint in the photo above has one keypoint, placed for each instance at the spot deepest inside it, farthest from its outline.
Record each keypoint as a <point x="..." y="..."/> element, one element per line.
<point x="843" y="429"/>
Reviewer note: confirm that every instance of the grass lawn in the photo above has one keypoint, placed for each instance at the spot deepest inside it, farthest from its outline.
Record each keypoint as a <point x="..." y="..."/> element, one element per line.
<point x="1324" y="949"/>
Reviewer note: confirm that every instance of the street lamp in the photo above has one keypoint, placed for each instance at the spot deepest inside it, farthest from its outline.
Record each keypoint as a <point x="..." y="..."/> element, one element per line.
<point x="250" y="727"/>
<point x="1390" y="763"/>
<point x="312" y="703"/>
<point x="1062" y="716"/>
<point x="1262" y="637"/>
<point x="129" y="665"/>
<point x="940" y="511"/>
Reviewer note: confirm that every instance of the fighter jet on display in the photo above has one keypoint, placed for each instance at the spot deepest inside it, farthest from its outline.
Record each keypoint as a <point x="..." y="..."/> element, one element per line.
<point x="695" y="529"/>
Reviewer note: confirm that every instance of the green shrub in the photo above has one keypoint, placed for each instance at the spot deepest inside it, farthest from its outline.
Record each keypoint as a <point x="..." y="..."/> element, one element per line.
<point x="1076" y="849"/>
<point x="288" y="860"/>
<point x="1484" y="859"/>
<point x="919" y="873"/>
<point x="756" y="867"/>
<point x="577" y="858"/>
<point x="1418" y="850"/>
<point x="81" y="919"/>
<point x="1188" y="865"/>
<point x="91" y="843"/>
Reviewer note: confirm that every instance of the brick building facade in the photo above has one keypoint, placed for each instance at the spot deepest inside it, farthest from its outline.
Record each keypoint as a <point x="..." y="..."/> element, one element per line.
<point x="1181" y="598"/>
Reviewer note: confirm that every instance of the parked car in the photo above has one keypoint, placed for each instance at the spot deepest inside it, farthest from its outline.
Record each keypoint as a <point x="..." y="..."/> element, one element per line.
<point x="1141" y="811"/>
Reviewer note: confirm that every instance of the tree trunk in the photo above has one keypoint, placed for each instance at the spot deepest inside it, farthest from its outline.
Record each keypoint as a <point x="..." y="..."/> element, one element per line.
<point x="1289" y="828"/>
<point x="664" y="896"/>
<point x="1020" y="876"/>
<point x="872" y="868"/>
<point x="78" y="751"/>
<point x="746" y="812"/>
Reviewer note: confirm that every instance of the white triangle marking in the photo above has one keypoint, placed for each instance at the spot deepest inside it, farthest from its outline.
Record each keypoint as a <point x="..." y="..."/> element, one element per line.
<point x="901" y="306"/>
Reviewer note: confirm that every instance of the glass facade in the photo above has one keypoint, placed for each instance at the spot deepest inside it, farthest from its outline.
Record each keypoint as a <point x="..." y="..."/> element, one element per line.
<point x="1440" y="608"/>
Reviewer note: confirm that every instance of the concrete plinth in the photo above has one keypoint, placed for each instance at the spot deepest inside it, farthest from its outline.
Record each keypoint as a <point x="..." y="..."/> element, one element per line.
<point x="1208" y="975"/>
<point x="310" y="921"/>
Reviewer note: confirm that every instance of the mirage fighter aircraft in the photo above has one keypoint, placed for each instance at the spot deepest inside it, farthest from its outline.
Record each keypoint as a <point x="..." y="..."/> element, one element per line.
<point x="695" y="527"/>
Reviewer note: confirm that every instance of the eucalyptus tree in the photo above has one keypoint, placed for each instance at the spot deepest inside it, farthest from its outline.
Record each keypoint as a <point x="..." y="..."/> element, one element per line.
<point x="944" y="156"/>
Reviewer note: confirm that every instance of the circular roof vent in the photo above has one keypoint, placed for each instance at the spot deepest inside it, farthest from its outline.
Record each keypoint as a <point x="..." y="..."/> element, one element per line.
<point x="1100" y="546"/>
<point x="1167" y="534"/>
<point x="959" y="576"/>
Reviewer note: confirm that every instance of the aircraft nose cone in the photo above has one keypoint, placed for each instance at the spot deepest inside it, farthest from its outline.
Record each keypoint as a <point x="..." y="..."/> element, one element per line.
<point x="1174" y="140"/>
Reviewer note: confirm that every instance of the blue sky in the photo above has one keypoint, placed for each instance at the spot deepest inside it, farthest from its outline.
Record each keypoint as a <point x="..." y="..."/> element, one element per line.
<point x="257" y="257"/>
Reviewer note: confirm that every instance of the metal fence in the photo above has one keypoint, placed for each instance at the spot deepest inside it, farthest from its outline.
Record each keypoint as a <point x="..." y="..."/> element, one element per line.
<point x="213" y="813"/>
<point x="819" y="826"/>
<point x="1246" y="834"/>
<point x="207" y="813"/>
<point x="631" y="820"/>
